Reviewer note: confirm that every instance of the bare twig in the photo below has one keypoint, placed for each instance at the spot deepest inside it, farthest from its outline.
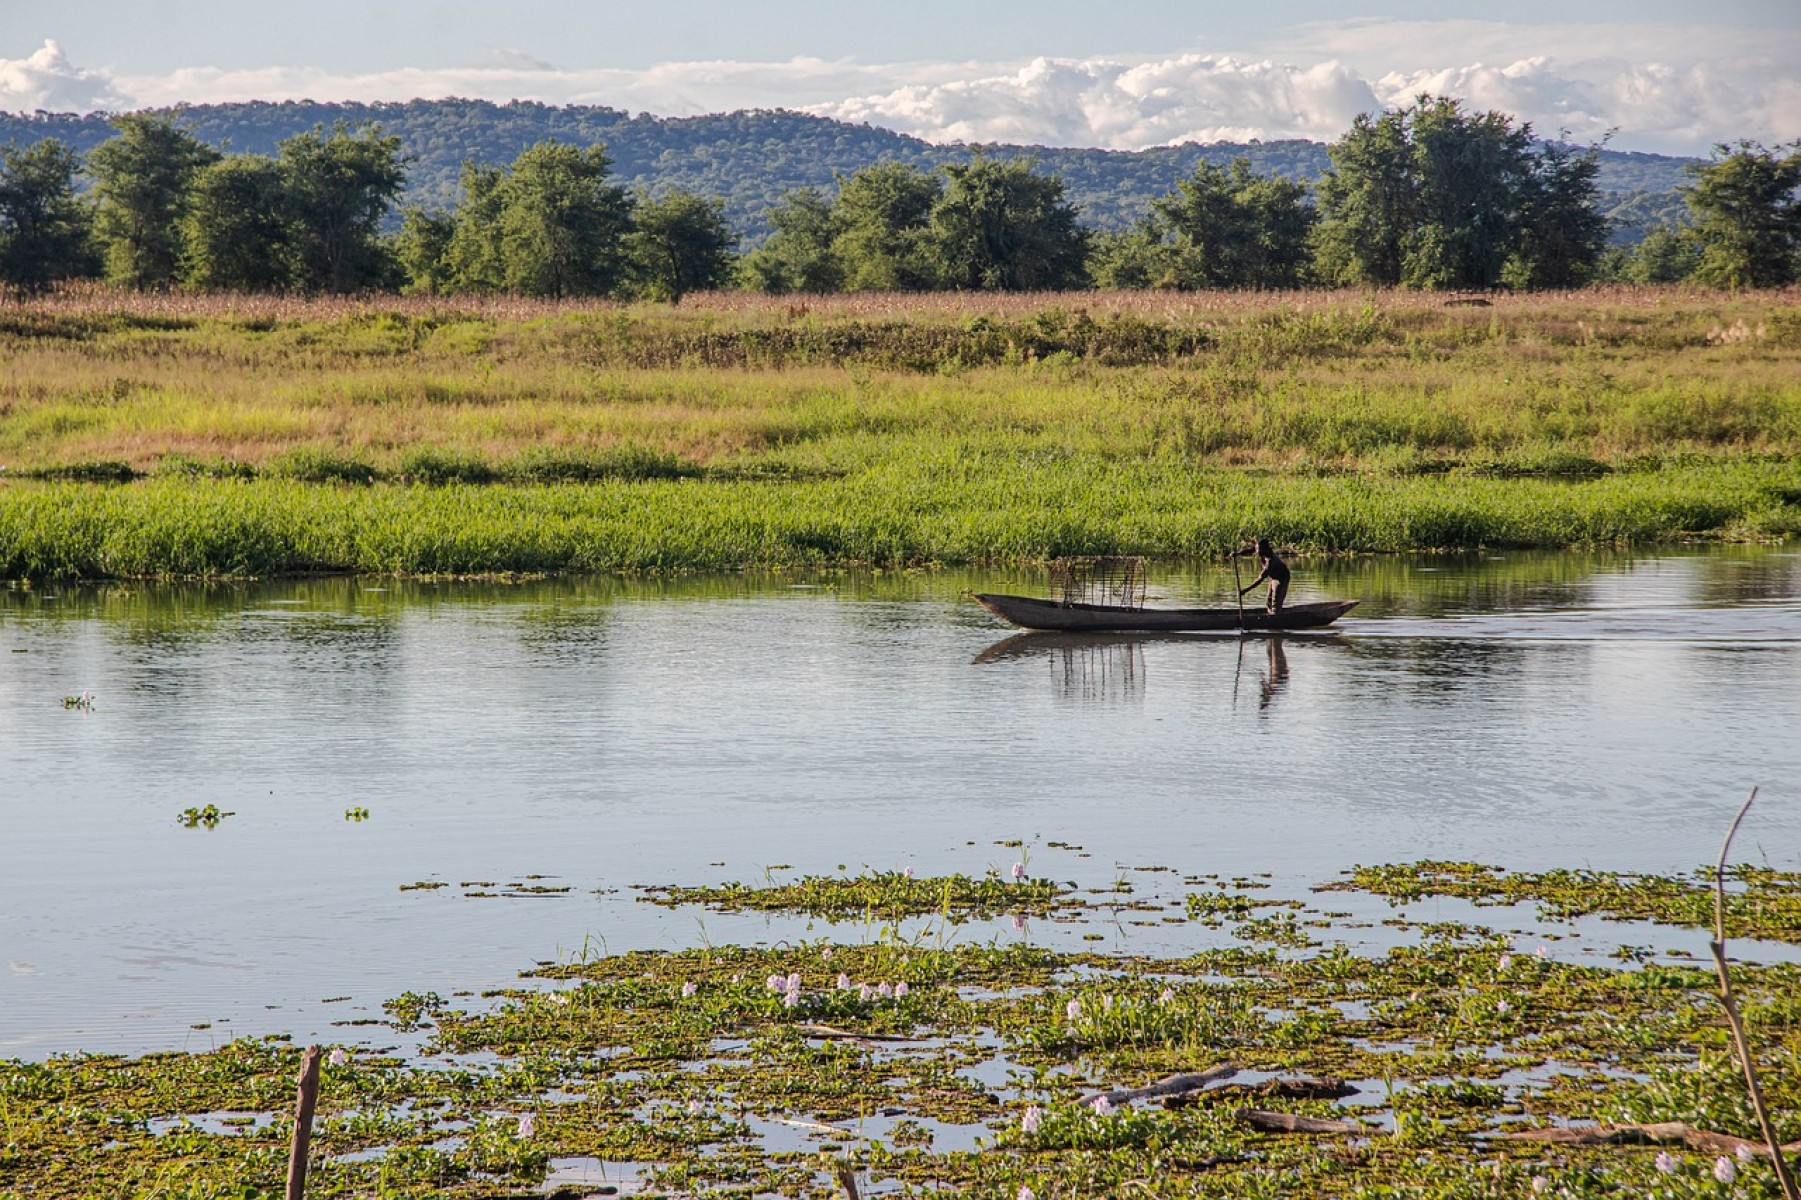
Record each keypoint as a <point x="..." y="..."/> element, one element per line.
<point x="1784" y="1175"/>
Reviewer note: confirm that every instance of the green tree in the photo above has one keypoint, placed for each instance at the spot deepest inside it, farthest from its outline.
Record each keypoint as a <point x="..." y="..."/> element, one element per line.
<point x="141" y="180"/>
<point x="235" y="233"/>
<point x="798" y="257"/>
<point x="680" y="243"/>
<point x="1232" y="228"/>
<point x="1132" y="259"/>
<point x="1665" y="256"/>
<point x="422" y="249"/>
<point x="1562" y="233"/>
<point x="337" y="189"/>
<point x="1431" y="196"/>
<point x="884" y="213"/>
<point x="999" y="226"/>
<point x="44" y="230"/>
<point x="1747" y="215"/>
<point x="549" y="225"/>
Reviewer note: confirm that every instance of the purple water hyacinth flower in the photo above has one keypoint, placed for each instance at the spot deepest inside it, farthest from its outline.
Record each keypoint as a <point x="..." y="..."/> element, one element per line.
<point x="825" y="955"/>
<point x="528" y="1125"/>
<point x="338" y="1057"/>
<point x="1746" y="1154"/>
<point x="1166" y="996"/>
<point x="1103" y="1107"/>
<point x="1026" y="1193"/>
<point x="1106" y="1003"/>
<point x="1029" y="1123"/>
<point x="689" y="988"/>
<point x="694" y="1107"/>
<point x="1665" y="1163"/>
<point x="1724" y="1170"/>
<point x="791" y="1000"/>
<point x="865" y="992"/>
<point x="900" y="990"/>
<point x="776" y="983"/>
<point x="885" y="992"/>
<point x="793" y="982"/>
<point x="1019" y="872"/>
<point x="843" y="982"/>
<point x="1541" y="1184"/>
<point x="1502" y="1007"/>
<point x="1019" y="923"/>
<point x="908" y="873"/>
<point x="1073" y="1010"/>
<point x="1505" y="961"/>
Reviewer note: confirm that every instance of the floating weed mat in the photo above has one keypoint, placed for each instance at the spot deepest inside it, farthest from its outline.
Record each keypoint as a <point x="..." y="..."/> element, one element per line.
<point x="1760" y="902"/>
<point x="914" y="1066"/>
<point x="880" y="895"/>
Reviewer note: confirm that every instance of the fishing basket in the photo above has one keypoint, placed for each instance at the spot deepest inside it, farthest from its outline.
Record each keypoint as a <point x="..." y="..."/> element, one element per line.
<point x="1115" y="580"/>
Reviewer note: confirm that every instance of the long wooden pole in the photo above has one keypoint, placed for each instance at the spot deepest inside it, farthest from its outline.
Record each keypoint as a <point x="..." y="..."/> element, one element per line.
<point x="1237" y="591"/>
<point x="304" y="1104"/>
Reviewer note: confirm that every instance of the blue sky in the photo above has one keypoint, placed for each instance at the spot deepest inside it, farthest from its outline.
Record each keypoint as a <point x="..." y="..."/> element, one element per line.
<point x="1669" y="75"/>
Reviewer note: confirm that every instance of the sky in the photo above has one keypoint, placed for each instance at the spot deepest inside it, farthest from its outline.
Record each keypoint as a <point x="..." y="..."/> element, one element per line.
<point x="1669" y="76"/>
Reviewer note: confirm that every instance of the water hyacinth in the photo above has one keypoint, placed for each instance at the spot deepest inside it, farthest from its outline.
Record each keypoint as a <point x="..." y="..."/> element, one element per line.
<point x="338" y="1057"/>
<point x="1502" y="1007"/>
<point x="693" y="1108"/>
<point x="793" y="981"/>
<point x="1746" y="1154"/>
<point x="1026" y="1193"/>
<point x="865" y="992"/>
<point x="843" y="982"/>
<point x="1073" y="1010"/>
<point x="528" y="1125"/>
<point x="1019" y="923"/>
<point x="1541" y="1184"/>
<point x="908" y="873"/>
<point x="791" y="1000"/>
<point x="1665" y="1162"/>
<point x="1030" y="1122"/>
<point x="1019" y="872"/>
<point x="1724" y="1170"/>
<point x="776" y="983"/>
<point x="689" y="988"/>
<point x="1506" y="961"/>
<point x="1106" y="1003"/>
<point x="885" y="991"/>
<point x="1103" y="1107"/>
<point x="1166" y="996"/>
<point x="900" y="990"/>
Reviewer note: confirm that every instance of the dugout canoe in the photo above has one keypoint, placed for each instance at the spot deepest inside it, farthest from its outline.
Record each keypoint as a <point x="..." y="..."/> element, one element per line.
<point x="1029" y="613"/>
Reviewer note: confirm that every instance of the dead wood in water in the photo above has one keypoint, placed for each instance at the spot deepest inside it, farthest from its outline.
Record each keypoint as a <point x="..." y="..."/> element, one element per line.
<point x="1265" y="1121"/>
<point x="1174" y="1085"/>
<point x="305" y="1101"/>
<point x="1669" y="1133"/>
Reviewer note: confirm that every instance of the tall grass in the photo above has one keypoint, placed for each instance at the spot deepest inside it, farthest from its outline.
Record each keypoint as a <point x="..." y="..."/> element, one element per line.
<point x="980" y="508"/>
<point x="277" y="433"/>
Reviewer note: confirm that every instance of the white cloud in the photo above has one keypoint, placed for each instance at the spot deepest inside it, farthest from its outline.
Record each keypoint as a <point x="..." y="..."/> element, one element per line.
<point x="47" y="80"/>
<point x="1665" y="87"/>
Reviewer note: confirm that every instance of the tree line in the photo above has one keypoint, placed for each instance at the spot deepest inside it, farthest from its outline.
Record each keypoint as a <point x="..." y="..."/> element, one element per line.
<point x="1429" y="196"/>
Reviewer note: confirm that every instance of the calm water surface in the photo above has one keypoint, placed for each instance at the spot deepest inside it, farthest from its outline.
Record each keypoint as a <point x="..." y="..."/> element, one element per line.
<point x="1530" y="711"/>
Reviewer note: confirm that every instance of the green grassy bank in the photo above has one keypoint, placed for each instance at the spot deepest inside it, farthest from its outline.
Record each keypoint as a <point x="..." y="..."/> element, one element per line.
<point x="198" y="436"/>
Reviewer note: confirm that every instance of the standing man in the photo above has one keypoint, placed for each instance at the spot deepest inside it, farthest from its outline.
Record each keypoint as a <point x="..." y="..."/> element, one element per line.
<point x="1274" y="570"/>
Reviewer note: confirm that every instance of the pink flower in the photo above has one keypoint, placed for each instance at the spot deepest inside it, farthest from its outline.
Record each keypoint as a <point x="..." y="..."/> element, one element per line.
<point x="1029" y="1122"/>
<point x="1026" y="1193"/>
<point x="1106" y="1003"/>
<point x="1103" y="1107"/>
<point x="776" y="983"/>
<point x="843" y="982"/>
<point x="338" y="1058"/>
<point x="688" y="989"/>
<point x="1541" y="1184"/>
<point x="900" y="990"/>
<point x="825" y="955"/>
<point x="1019" y="872"/>
<point x="1502" y="1007"/>
<point x="1745" y="1153"/>
<point x="908" y="873"/>
<point x="1019" y="923"/>
<point x="1167" y="996"/>
<point x="1506" y="960"/>
<point x="1073" y="1009"/>
<point x="791" y="1000"/>
<point x="1665" y="1163"/>
<point x="1724" y="1170"/>
<point x="793" y="982"/>
<point x="885" y="992"/>
<point x="528" y="1125"/>
<point x="865" y="992"/>
<point x="694" y="1107"/>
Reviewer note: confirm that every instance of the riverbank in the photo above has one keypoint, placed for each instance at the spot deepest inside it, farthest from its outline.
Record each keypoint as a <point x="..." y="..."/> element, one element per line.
<point x="166" y="437"/>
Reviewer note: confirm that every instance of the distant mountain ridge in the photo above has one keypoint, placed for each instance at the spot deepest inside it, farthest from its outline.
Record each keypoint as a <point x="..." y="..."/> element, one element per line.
<point x="751" y="158"/>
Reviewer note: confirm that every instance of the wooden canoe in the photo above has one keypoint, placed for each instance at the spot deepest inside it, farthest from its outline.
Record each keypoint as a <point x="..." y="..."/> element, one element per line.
<point x="1029" y="613"/>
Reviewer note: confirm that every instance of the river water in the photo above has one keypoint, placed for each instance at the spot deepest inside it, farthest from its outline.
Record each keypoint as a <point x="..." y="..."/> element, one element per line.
<point x="1603" y="710"/>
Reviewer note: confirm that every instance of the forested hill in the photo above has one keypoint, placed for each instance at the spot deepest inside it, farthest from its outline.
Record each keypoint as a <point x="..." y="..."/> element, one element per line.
<point x="750" y="159"/>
